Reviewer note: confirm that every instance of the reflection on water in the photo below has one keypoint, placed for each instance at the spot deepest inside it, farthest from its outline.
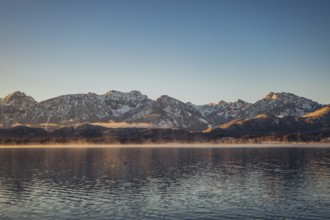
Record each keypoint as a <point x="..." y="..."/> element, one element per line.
<point x="165" y="183"/>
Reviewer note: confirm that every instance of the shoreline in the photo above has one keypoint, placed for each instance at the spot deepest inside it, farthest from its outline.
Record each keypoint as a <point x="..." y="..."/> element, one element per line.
<point x="170" y="145"/>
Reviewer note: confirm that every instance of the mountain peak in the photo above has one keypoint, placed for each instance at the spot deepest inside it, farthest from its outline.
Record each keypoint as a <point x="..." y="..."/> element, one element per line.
<point x="222" y="102"/>
<point x="168" y="112"/>
<point x="282" y="104"/>
<point x="165" y="97"/>
<point x="112" y="92"/>
<point x="167" y="100"/>
<point x="242" y="101"/>
<point x="282" y="96"/>
<point x="115" y="92"/>
<point x="19" y="100"/>
<point x="132" y="95"/>
<point x="15" y="94"/>
<point x="91" y="93"/>
<point x="271" y="95"/>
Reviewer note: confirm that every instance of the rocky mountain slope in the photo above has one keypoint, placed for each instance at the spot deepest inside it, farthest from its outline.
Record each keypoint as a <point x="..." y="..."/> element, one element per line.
<point x="18" y="100"/>
<point x="222" y="112"/>
<point x="66" y="110"/>
<point x="165" y="112"/>
<point x="281" y="105"/>
<point x="270" y="124"/>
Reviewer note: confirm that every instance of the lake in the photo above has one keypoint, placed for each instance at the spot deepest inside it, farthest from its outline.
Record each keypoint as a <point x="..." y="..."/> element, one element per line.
<point x="165" y="183"/>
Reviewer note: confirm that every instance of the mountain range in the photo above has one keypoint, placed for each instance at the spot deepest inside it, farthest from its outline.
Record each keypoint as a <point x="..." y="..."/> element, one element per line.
<point x="279" y="113"/>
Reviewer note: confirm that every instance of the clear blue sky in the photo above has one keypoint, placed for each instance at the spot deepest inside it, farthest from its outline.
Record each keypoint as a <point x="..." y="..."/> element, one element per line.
<point x="199" y="51"/>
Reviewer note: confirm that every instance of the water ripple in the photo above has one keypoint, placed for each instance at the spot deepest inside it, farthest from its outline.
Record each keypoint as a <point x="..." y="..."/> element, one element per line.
<point x="156" y="183"/>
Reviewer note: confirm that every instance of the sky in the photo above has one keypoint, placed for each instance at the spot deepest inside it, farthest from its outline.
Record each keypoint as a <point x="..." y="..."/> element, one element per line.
<point x="200" y="51"/>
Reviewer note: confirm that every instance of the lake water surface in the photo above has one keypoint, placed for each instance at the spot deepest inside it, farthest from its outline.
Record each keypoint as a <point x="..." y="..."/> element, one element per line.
<point x="165" y="183"/>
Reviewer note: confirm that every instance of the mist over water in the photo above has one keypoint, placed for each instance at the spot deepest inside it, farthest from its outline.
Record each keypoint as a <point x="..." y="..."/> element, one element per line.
<point x="165" y="183"/>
